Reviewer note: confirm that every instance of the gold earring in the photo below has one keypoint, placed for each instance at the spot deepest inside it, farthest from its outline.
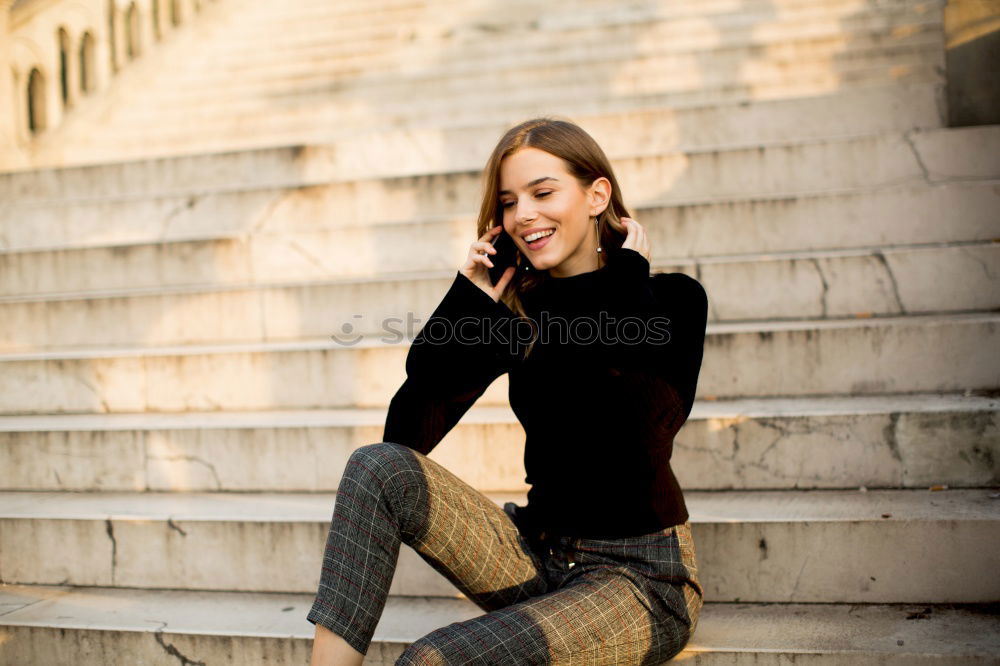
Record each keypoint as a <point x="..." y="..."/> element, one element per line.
<point x="597" y="226"/>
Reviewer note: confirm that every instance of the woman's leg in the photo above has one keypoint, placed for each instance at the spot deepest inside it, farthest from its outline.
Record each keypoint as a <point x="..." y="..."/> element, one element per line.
<point x="624" y="601"/>
<point x="391" y="494"/>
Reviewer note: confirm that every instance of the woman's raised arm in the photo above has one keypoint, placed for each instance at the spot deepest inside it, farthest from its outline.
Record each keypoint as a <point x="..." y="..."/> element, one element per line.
<point x="461" y="349"/>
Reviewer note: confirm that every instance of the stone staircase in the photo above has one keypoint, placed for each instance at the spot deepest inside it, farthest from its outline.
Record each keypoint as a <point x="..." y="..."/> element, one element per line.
<point x="174" y="415"/>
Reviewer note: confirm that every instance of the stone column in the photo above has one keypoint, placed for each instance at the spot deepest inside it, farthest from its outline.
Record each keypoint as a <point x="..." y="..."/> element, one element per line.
<point x="972" y="61"/>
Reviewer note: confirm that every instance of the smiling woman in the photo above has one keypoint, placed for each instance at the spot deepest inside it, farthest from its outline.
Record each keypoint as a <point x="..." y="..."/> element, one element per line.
<point x="551" y="212"/>
<point x="599" y="565"/>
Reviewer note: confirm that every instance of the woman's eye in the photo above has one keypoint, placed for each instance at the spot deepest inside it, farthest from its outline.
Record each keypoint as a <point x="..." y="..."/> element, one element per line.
<point x="543" y="194"/>
<point x="507" y="204"/>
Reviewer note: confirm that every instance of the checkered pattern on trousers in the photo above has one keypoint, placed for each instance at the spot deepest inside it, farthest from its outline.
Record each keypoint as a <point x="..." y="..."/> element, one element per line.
<point x="632" y="600"/>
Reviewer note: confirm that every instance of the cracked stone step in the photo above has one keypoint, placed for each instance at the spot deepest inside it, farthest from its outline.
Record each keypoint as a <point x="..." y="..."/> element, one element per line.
<point x="752" y="359"/>
<point x="829" y="284"/>
<point x="295" y="237"/>
<point x="48" y="624"/>
<point x="890" y="441"/>
<point x="800" y="165"/>
<point x="827" y="546"/>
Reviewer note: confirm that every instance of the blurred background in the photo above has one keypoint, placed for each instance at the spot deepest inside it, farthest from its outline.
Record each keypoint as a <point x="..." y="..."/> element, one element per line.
<point x="197" y="195"/>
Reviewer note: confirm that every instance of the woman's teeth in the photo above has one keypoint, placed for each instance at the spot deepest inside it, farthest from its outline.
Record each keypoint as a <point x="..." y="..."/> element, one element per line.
<point x="539" y="234"/>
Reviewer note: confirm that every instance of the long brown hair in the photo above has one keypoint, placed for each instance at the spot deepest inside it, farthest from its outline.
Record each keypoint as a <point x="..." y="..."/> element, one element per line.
<point x="585" y="160"/>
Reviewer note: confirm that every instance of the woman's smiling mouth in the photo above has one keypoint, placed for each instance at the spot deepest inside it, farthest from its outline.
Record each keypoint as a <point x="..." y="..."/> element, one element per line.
<point x="541" y="239"/>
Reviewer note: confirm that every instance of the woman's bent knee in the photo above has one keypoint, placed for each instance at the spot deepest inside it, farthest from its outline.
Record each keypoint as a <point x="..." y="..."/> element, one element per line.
<point x="393" y="472"/>
<point x="387" y="461"/>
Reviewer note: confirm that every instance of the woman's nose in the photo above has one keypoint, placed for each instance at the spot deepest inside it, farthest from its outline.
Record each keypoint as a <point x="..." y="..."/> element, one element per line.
<point x="525" y="213"/>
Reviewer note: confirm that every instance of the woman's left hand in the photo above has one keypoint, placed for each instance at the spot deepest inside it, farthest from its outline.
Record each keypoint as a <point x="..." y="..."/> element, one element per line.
<point x="636" y="239"/>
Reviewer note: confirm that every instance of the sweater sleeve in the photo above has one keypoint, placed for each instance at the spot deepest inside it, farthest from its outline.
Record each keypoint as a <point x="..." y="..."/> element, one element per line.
<point x="461" y="349"/>
<point x="668" y="339"/>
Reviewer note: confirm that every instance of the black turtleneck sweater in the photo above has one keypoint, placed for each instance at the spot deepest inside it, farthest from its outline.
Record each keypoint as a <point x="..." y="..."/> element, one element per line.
<point x="601" y="396"/>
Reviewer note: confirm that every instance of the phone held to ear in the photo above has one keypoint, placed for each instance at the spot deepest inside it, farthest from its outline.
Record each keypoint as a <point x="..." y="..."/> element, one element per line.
<point x="506" y="255"/>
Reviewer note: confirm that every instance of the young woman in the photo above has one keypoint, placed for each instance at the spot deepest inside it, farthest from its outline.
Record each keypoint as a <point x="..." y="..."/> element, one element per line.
<point x="603" y="359"/>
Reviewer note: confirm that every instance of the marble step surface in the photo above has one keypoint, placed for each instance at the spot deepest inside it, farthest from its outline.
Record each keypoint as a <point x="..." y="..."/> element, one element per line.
<point x="749" y="359"/>
<point x="786" y="167"/>
<point x="624" y="127"/>
<point x="814" y="546"/>
<point x="647" y="61"/>
<point x="96" y="626"/>
<point x="231" y="237"/>
<point x="795" y="287"/>
<point x="887" y="441"/>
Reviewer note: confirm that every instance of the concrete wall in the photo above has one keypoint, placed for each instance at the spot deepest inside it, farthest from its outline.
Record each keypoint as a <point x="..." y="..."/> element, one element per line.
<point x="972" y="29"/>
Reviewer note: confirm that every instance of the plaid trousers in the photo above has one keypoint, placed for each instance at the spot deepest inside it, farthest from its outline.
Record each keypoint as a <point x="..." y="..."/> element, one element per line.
<point x="547" y="600"/>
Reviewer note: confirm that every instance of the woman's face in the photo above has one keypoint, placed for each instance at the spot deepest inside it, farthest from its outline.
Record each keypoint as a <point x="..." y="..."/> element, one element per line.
<point x="537" y="192"/>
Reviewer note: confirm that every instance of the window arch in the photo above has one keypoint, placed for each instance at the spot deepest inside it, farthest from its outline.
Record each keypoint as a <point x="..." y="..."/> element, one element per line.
<point x="112" y="35"/>
<point x="132" y="30"/>
<point x="87" y="64"/>
<point x="155" y="11"/>
<point x="36" y="101"/>
<point x="64" y="55"/>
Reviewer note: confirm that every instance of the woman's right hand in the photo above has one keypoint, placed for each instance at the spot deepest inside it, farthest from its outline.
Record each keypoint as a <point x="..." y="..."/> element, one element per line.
<point x="477" y="265"/>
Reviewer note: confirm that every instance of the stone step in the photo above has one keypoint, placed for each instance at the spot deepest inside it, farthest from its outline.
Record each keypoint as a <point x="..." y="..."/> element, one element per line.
<point x="95" y="626"/>
<point x="341" y="49"/>
<point x="461" y="22"/>
<point x="313" y="118"/>
<point x="653" y="74"/>
<point x="850" y="111"/>
<point x="351" y="57"/>
<point x="889" y="441"/>
<point x="111" y="244"/>
<point x="621" y="132"/>
<point x="419" y="30"/>
<point x="914" y="353"/>
<point x="826" y="546"/>
<point x="580" y="12"/>
<point x="92" y="139"/>
<point x="957" y="277"/>
<point x="812" y="165"/>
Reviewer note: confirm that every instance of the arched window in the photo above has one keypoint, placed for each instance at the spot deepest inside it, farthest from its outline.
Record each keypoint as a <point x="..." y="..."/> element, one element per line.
<point x="36" y="101"/>
<point x="132" y="28"/>
<point x="175" y="12"/>
<point x="112" y="36"/>
<point x="155" y="10"/>
<point x="64" y="65"/>
<point x="87" y="63"/>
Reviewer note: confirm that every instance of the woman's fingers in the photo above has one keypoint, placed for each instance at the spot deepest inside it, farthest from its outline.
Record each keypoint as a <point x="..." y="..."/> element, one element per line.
<point x="501" y="284"/>
<point x="490" y="233"/>
<point x="636" y="239"/>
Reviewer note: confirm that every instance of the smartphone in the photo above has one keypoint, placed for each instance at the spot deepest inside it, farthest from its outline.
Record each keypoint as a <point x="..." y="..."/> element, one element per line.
<point x="506" y="249"/>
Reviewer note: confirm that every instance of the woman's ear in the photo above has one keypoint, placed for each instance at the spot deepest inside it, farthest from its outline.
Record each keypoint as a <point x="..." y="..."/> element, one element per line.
<point x="599" y="194"/>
